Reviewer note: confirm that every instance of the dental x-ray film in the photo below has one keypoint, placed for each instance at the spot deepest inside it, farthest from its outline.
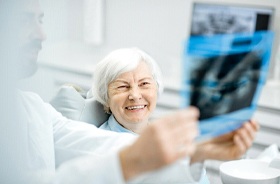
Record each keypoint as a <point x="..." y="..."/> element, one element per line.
<point x="226" y="60"/>
<point x="223" y="76"/>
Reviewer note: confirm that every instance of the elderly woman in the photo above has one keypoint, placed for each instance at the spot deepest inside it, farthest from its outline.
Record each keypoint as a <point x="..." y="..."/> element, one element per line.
<point x="127" y="82"/>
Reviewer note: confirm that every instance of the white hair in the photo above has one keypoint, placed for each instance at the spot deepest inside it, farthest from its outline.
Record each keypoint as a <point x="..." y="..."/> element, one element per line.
<point x="117" y="63"/>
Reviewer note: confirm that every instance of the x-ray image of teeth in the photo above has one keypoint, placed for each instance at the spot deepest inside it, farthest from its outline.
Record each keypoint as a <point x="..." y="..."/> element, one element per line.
<point x="223" y="84"/>
<point x="223" y="78"/>
<point x="212" y="19"/>
<point x="223" y="22"/>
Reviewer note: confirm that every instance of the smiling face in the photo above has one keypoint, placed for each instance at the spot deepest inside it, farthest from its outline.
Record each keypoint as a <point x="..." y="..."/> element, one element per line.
<point x="133" y="96"/>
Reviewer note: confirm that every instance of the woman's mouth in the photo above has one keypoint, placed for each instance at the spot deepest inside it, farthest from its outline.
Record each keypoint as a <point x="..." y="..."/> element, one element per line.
<point x="136" y="107"/>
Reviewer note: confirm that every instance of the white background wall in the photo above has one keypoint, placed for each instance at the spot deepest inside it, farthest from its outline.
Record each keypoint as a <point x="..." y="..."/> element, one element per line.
<point x="156" y="26"/>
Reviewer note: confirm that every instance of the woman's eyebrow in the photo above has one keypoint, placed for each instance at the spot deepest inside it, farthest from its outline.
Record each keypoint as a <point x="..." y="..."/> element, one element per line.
<point x="146" y="78"/>
<point x="119" y="81"/>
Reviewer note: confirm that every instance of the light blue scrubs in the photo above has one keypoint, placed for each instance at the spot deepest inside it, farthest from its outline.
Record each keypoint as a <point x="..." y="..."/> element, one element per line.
<point x="113" y="125"/>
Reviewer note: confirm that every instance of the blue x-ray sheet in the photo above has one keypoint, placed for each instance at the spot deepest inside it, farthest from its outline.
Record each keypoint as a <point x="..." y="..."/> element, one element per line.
<point x="223" y="76"/>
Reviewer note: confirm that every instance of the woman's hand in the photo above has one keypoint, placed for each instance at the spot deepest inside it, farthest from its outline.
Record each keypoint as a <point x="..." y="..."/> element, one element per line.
<point x="229" y="146"/>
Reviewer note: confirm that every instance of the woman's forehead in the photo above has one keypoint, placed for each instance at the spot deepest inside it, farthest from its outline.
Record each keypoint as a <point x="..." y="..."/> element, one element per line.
<point x="142" y="69"/>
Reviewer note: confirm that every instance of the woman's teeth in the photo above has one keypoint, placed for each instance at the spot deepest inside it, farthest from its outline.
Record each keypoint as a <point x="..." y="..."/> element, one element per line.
<point x="136" y="107"/>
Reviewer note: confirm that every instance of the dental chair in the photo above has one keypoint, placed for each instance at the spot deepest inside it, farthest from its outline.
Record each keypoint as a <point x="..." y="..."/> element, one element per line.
<point x="74" y="103"/>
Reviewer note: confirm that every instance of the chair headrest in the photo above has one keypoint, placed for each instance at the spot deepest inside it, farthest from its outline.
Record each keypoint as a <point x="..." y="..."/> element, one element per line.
<point x="71" y="104"/>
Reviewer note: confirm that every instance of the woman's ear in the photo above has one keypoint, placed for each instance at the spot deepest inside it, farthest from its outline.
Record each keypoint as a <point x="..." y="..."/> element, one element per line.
<point x="107" y="109"/>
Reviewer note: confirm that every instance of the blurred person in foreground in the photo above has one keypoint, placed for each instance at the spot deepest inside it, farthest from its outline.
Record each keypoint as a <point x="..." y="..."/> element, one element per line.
<point x="39" y="145"/>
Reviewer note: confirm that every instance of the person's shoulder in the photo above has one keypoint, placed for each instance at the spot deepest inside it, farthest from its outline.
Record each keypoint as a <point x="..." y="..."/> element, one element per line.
<point x="29" y="96"/>
<point x="36" y="104"/>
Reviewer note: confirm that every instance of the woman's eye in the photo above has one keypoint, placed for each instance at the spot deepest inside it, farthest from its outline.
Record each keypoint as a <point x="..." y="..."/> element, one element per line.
<point x="144" y="84"/>
<point x="122" y="87"/>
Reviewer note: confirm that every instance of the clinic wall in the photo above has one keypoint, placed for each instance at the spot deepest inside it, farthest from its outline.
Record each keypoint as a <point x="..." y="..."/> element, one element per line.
<point x="156" y="26"/>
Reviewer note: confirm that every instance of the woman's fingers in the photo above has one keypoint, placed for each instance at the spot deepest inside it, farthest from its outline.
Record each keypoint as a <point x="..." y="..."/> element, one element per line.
<point x="245" y="135"/>
<point x="255" y="124"/>
<point x="241" y="147"/>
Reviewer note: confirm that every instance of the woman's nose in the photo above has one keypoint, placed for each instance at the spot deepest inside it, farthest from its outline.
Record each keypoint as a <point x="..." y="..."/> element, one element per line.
<point x="135" y="94"/>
